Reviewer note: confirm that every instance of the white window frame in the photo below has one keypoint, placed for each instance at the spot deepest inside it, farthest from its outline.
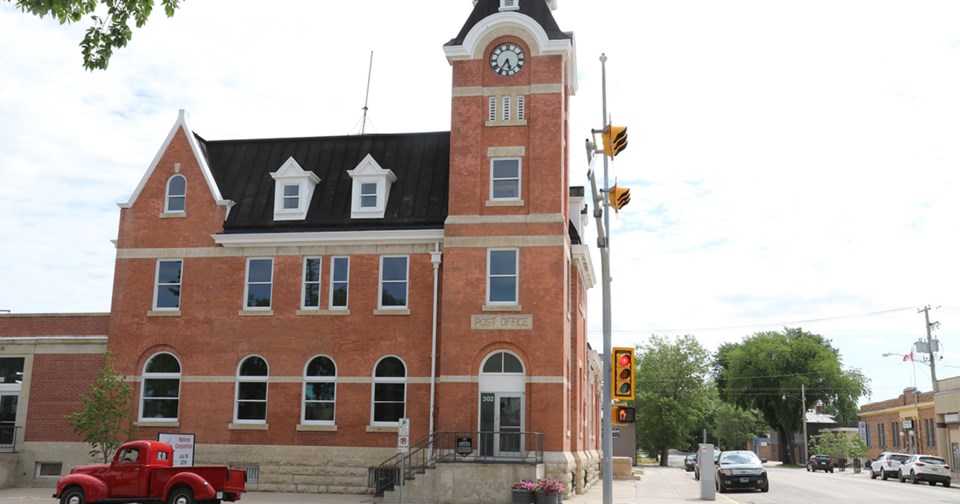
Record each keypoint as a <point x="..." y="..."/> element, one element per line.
<point x="317" y="282"/>
<point x="515" y="276"/>
<point x="307" y="379"/>
<point x="405" y="281"/>
<point x="492" y="109"/>
<point x="264" y="379"/>
<point x="334" y="282"/>
<point x="387" y="380"/>
<point x="157" y="286"/>
<point x="295" y="198"/>
<point x="247" y="284"/>
<point x="518" y="178"/>
<point x="521" y="108"/>
<point x="507" y="102"/>
<point x="168" y="195"/>
<point x="144" y="377"/>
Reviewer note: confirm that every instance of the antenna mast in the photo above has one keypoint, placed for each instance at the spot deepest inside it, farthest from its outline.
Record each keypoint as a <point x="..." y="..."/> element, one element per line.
<point x="366" y="99"/>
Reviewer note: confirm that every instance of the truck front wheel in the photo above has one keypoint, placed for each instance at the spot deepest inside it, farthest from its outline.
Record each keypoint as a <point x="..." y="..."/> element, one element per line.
<point x="181" y="496"/>
<point x="73" y="495"/>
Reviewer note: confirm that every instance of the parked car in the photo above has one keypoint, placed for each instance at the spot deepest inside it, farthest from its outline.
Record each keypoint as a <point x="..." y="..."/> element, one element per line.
<point x="696" y="466"/>
<point x="925" y="468"/>
<point x="741" y="469"/>
<point x="690" y="461"/>
<point x="820" y="463"/>
<point x="887" y="465"/>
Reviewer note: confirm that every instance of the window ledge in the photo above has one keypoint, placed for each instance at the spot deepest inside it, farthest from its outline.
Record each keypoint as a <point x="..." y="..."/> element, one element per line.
<point x="384" y="311"/>
<point x="255" y="313"/>
<point x="512" y="122"/>
<point x="505" y="203"/>
<point x="323" y="312"/>
<point x="503" y="307"/>
<point x="158" y="423"/>
<point x="246" y="426"/>
<point x="163" y="313"/>
<point x="173" y="215"/>
<point x="316" y="428"/>
<point x="383" y="428"/>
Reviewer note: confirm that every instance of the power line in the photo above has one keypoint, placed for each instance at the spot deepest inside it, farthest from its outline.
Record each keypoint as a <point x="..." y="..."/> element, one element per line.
<point x="772" y="324"/>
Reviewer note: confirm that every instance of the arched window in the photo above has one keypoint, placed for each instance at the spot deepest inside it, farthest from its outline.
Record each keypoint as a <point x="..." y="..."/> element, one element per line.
<point x="176" y="200"/>
<point x="319" y="391"/>
<point x="160" y="393"/>
<point x="389" y="391"/>
<point x="251" y="404"/>
<point x="503" y="362"/>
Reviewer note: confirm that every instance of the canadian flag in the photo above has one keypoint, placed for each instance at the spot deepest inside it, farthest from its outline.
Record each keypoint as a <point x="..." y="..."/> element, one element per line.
<point x="908" y="357"/>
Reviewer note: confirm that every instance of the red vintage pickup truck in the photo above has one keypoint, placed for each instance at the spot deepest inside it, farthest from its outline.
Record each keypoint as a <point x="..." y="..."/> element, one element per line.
<point x="143" y="472"/>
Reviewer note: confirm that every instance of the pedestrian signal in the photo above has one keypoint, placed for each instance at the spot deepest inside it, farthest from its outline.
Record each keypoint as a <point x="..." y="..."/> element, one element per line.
<point x="619" y="197"/>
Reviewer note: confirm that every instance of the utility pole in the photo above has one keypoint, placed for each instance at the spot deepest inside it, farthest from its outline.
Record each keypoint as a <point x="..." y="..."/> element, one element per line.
<point x="803" y="403"/>
<point x="942" y="435"/>
<point x="933" y="360"/>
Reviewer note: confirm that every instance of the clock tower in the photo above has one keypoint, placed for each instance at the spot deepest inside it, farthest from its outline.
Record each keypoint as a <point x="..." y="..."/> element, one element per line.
<point x="512" y="340"/>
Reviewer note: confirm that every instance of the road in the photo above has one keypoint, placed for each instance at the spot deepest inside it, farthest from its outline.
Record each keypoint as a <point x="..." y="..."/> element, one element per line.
<point x="797" y="486"/>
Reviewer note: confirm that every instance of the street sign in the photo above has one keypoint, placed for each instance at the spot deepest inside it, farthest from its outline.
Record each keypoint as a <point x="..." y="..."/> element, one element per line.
<point x="403" y="436"/>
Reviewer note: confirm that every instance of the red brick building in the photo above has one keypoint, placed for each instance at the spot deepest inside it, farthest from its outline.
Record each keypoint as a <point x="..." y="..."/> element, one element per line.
<point x="905" y="424"/>
<point x="289" y="301"/>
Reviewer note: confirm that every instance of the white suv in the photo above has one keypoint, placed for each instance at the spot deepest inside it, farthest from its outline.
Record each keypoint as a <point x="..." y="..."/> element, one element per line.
<point x="887" y="465"/>
<point x="925" y="468"/>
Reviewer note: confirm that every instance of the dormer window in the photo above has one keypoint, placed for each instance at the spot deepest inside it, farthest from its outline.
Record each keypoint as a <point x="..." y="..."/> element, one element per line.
<point x="293" y="191"/>
<point x="371" y="188"/>
<point x="509" y="5"/>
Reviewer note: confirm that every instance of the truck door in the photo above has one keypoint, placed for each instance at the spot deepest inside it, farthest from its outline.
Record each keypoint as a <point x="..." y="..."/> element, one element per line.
<point x="124" y="477"/>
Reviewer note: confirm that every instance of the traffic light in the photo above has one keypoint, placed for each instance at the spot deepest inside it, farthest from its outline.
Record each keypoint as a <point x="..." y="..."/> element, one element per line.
<point x="623" y="373"/>
<point x="614" y="140"/>
<point x="619" y="197"/>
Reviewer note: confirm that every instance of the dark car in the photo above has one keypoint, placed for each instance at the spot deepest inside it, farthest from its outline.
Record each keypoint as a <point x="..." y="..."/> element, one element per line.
<point x="819" y="463"/>
<point x="741" y="469"/>
<point x="690" y="461"/>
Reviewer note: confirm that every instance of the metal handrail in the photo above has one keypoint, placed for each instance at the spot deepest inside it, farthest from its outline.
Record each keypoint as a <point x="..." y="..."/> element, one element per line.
<point x="457" y="446"/>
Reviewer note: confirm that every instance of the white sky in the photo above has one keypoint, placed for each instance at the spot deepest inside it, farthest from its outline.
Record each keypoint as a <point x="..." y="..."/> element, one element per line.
<point x="791" y="163"/>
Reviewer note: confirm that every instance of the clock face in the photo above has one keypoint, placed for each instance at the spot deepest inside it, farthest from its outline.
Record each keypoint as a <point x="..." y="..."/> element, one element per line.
<point x="507" y="59"/>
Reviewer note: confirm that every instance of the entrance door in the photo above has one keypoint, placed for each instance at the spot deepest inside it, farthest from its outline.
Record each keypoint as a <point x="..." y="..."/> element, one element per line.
<point x="501" y="424"/>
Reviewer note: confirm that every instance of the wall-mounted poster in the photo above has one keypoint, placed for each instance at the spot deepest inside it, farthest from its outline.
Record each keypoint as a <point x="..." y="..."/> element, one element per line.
<point x="183" y="446"/>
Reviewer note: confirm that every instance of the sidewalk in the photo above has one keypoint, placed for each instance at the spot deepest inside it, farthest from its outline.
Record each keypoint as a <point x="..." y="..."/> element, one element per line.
<point x="657" y="485"/>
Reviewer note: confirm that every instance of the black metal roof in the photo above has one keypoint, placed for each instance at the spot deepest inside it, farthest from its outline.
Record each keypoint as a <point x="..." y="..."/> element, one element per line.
<point x="536" y="9"/>
<point x="418" y="198"/>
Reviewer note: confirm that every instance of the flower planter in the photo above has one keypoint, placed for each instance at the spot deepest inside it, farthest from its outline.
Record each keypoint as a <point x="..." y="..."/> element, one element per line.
<point x="522" y="496"/>
<point x="544" y="498"/>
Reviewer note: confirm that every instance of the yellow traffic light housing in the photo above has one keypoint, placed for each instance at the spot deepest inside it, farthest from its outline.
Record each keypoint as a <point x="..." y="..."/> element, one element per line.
<point x="614" y="140"/>
<point x="623" y="373"/>
<point x="619" y="197"/>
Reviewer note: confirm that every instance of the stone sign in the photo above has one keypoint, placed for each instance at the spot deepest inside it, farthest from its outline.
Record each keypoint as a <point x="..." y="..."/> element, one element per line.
<point x="502" y="322"/>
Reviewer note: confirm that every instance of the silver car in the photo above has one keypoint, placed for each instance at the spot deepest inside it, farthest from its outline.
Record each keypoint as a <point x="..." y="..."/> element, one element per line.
<point x="927" y="468"/>
<point x="887" y="465"/>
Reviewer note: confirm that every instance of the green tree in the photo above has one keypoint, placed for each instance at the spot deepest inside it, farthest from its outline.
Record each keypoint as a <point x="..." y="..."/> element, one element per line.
<point x="733" y="426"/>
<point x="765" y="373"/>
<point x="858" y="448"/>
<point x="104" y="422"/>
<point x="110" y="31"/>
<point x="836" y="445"/>
<point x="671" y="397"/>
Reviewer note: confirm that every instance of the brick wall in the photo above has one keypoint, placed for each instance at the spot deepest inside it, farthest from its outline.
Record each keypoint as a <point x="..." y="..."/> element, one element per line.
<point x="56" y="384"/>
<point x="20" y="325"/>
<point x="885" y="422"/>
